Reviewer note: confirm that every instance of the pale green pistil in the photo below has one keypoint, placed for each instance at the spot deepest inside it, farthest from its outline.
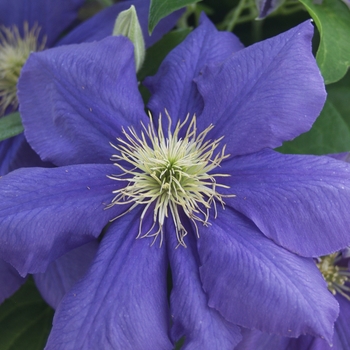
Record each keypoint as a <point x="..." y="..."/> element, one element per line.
<point x="168" y="173"/>
<point x="14" y="51"/>
<point x="335" y="276"/>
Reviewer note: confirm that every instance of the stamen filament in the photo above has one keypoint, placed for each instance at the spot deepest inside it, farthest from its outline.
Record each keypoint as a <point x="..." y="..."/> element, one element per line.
<point x="14" y="51"/>
<point x="167" y="173"/>
<point x="336" y="276"/>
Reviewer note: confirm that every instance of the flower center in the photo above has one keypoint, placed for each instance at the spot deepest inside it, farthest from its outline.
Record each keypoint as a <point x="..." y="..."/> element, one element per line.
<point x="335" y="276"/>
<point x="170" y="175"/>
<point x="14" y="51"/>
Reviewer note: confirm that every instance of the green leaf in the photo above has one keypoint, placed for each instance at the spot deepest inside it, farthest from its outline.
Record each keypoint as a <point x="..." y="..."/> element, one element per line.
<point x="161" y="8"/>
<point x="331" y="131"/>
<point x="25" y="320"/>
<point x="332" y="18"/>
<point x="10" y="125"/>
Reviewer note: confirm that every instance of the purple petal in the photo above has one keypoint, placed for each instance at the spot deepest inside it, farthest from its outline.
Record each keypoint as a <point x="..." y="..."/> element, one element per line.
<point x="63" y="273"/>
<point x="253" y="339"/>
<point x="10" y="280"/>
<point x="44" y="213"/>
<point x="202" y="326"/>
<point x="300" y="202"/>
<point x="254" y="283"/>
<point x="121" y="303"/>
<point x="341" y="338"/>
<point x="344" y="156"/>
<point x="265" y="7"/>
<point x="101" y="25"/>
<point x="16" y="153"/>
<point x="51" y="15"/>
<point x="265" y="94"/>
<point x="173" y="85"/>
<point x="75" y="99"/>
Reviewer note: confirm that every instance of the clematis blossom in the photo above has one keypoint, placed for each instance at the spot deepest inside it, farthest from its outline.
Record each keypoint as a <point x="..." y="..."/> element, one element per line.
<point x="193" y="190"/>
<point x="28" y="26"/>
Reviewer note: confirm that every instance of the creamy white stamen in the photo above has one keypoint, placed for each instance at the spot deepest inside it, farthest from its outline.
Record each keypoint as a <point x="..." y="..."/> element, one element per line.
<point x="170" y="175"/>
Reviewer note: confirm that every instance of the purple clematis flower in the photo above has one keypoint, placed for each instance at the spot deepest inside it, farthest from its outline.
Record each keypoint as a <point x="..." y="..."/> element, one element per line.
<point x="234" y="223"/>
<point x="52" y="18"/>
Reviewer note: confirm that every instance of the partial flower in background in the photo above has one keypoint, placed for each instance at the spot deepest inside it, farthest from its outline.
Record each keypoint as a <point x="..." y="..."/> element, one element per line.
<point x="251" y="219"/>
<point x="336" y="272"/>
<point x="335" y="269"/>
<point x="27" y="26"/>
<point x="265" y="7"/>
<point x="15" y="50"/>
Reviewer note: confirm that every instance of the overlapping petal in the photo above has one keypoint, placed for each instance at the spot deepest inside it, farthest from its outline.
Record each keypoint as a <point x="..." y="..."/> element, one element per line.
<point x="253" y="339"/>
<point x="344" y="156"/>
<point x="16" y="153"/>
<point x="202" y="326"/>
<point x="249" y="280"/>
<point x="84" y="94"/>
<point x="257" y="98"/>
<point x="10" y="280"/>
<point x="173" y="87"/>
<point x="64" y="272"/>
<point x="122" y="301"/>
<point x="101" y="25"/>
<point x="51" y="15"/>
<point x="341" y="339"/>
<point x="293" y="199"/>
<point x="45" y="213"/>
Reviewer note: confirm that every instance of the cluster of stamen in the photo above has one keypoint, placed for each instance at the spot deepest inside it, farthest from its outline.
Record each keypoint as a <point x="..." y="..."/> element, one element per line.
<point x="336" y="276"/>
<point x="168" y="172"/>
<point x="14" y="51"/>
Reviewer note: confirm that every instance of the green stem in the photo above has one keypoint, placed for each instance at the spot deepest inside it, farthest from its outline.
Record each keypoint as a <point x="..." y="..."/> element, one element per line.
<point x="105" y="3"/>
<point x="257" y="30"/>
<point x="234" y="15"/>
